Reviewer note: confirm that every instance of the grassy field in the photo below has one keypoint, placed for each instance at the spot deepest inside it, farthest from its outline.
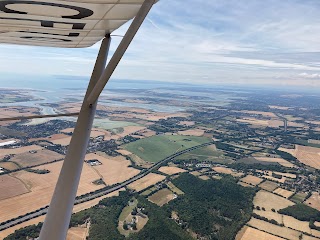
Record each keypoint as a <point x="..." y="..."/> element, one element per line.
<point x="299" y="197"/>
<point x="208" y="153"/>
<point x="156" y="148"/>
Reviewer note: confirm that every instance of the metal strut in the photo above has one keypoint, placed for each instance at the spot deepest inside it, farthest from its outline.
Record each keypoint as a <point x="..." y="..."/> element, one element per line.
<point x="118" y="54"/>
<point x="57" y="221"/>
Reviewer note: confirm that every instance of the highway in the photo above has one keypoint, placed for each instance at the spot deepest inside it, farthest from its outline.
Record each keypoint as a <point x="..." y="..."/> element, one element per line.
<point x="100" y="193"/>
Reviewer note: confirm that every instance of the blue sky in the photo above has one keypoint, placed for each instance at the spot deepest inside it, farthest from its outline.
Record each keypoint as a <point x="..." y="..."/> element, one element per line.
<point x="201" y="41"/>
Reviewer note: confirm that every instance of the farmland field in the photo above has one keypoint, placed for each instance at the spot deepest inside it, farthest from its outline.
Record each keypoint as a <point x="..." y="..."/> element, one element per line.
<point x="9" y="165"/>
<point x="146" y="181"/>
<point x="268" y="185"/>
<point x="11" y="187"/>
<point x="192" y="132"/>
<point x="281" y="161"/>
<point x="28" y="159"/>
<point x="208" y="153"/>
<point x="77" y="233"/>
<point x="249" y="233"/>
<point x="299" y="197"/>
<point x="76" y="208"/>
<point x="314" y="201"/>
<point x="41" y="189"/>
<point x="296" y="224"/>
<point x="8" y="151"/>
<point x="283" y="192"/>
<point x="251" y="180"/>
<point x="113" y="169"/>
<point x="269" y="214"/>
<point x="156" y="148"/>
<point x="162" y="197"/>
<point x="274" y="229"/>
<point x="174" y="189"/>
<point x="171" y="170"/>
<point x="274" y="201"/>
<point x="307" y="155"/>
<point x="225" y="170"/>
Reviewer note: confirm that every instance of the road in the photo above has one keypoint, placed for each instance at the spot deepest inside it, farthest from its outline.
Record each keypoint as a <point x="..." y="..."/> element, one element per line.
<point x="100" y="193"/>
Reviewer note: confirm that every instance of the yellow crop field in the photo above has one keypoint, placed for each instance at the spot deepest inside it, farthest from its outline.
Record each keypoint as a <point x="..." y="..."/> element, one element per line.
<point x="38" y="157"/>
<point x="281" y="161"/>
<point x="314" y="201"/>
<point x="293" y="223"/>
<point x="283" y="192"/>
<point x="269" y="214"/>
<point x="146" y="181"/>
<point x="113" y="169"/>
<point x="309" y="156"/>
<point x="41" y="189"/>
<point x="225" y="170"/>
<point x="171" y="170"/>
<point x="249" y="233"/>
<point x="269" y="200"/>
<point x="76" y="208"/>
<point x="253" y="180"/>
<point x="274" y="229"/>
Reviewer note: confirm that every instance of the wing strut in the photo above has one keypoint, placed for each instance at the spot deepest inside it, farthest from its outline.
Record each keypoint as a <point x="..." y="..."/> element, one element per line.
<point x="124" y="44"/>
<point x="57" y="221"/>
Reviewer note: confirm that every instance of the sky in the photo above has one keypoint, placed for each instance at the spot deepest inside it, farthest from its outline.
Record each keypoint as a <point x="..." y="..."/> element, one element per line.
<point x="269" y="42"/>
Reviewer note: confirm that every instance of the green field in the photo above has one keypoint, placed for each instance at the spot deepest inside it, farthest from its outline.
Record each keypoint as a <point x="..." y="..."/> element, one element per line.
<point x="299" y="197"/>
<point x="208" y="153"/>
<point x="108" y="124"/>
<point x="156" y="148"/>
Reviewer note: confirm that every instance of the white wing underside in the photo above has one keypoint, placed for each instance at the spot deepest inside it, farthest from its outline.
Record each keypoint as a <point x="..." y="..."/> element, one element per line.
<point x="70" y="24"/>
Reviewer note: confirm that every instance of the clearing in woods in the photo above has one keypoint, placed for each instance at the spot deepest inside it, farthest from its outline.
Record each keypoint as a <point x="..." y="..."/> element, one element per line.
<point x="156" y="148"/>
<point x="162" y="197"/>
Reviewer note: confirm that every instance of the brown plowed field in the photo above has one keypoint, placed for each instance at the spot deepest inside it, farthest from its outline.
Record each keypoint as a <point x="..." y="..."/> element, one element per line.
<point x="10" y="187"/>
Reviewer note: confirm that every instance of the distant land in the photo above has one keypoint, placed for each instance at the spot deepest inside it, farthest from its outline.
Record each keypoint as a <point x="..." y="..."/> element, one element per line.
<point x="165" y="160"/>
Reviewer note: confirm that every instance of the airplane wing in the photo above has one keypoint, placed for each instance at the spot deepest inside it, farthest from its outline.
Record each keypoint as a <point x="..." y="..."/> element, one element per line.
<point x="61" y="23"/>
